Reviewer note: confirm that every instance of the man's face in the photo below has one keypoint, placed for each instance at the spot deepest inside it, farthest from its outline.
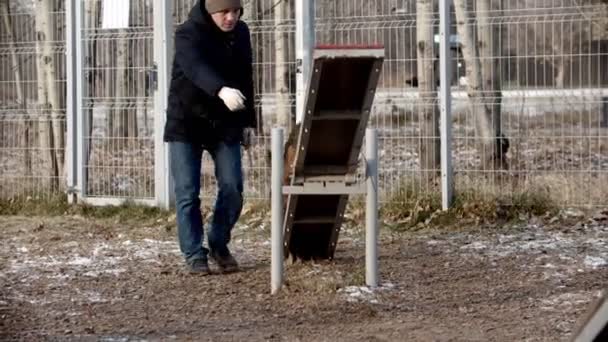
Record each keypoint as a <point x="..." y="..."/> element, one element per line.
<point x="226" y="20"/>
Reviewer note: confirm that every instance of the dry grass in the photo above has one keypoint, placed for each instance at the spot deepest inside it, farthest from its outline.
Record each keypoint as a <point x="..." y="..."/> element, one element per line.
<point x="479" y="197"/>
<point x="476" y="201"/>
<point x="57" y="205"/>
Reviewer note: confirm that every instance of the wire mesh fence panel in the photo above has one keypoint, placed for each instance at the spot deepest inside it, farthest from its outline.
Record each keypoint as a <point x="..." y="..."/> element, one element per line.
<point x="405" y="108"/>
<point x="529" y="86"/>
<point x="532" y="82"/>
<point x="117" y="100"/>
<point x="32" y="103"/>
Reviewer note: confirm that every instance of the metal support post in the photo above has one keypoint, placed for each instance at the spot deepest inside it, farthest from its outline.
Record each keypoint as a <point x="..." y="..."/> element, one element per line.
<point x="276" y="260"/>
<point x="445" y="63"/>
<point x="371" y="211"/>
<point x="71" y="100"/>
<point x="163" y="54"/>
<point x="81" y="124"/>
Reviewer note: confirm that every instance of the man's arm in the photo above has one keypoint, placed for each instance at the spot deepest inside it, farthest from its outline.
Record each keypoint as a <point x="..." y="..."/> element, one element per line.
<point x="190" y="59"/>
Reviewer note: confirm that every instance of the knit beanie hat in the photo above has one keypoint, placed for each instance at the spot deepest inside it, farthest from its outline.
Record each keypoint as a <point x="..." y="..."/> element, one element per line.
<point x="213" y="6"/>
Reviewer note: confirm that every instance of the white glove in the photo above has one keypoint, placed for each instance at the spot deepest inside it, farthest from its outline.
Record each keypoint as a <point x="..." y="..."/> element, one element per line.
<point x="233" y="98"/>
<point x="248" y="137"/>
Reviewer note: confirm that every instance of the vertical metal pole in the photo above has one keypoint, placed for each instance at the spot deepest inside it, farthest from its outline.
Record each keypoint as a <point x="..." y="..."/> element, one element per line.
<point x="445" y="63"/>
<point x="81" y="121"/>
<point x="163" y="54"/>
<point x="305" y="40"/>
<point x="71" y="103"/>
<point x="371" y="211"/>
<point x="276" y="186"/>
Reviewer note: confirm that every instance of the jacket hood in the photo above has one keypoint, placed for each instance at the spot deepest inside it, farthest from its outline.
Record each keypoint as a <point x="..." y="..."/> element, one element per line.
<point x="199" y="13"/>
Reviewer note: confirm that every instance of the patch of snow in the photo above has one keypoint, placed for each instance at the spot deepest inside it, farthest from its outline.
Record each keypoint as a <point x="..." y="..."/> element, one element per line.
<point x="565" y="300"/>
<point x="434" y="242"/>
<point x="475" y="245"/>
<point x="364" y="293"/>
<point x="595" y="262"/>
<point x="80" y="261"/>
<point x="71" y="244"/>
<point x="115" y="272"/>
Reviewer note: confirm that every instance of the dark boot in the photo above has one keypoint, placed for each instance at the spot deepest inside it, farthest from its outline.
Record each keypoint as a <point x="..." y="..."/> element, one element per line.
<point x="199" y="266"/>
<point x="225" y="261"/>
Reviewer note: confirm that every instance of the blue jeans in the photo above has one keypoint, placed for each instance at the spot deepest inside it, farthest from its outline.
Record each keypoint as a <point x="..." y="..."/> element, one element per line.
<point x="186" y="160"/>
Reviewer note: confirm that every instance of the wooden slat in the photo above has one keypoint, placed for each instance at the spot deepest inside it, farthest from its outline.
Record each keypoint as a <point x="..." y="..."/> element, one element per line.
<point x="315" y="219"/>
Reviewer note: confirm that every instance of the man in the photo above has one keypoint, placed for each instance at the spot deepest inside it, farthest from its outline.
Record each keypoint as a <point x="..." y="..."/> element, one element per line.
<point x="210" y="109"/>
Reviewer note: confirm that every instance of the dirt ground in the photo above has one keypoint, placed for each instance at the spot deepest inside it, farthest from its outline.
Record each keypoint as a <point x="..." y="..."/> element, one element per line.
<point x="80" y="279"/>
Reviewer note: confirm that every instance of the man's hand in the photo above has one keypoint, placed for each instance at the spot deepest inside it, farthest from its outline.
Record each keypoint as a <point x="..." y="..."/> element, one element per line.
<point x="233" y="98"/>
<point x="248" y="137"/>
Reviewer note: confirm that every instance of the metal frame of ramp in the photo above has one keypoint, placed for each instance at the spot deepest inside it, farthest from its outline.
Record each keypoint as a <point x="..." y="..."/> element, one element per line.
<point x="340" y="94"/>
<point x="593" y="327"/>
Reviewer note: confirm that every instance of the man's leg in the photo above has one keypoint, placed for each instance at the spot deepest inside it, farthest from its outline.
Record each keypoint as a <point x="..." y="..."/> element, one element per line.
<point x="186" y="169"/>
<point x="229" y="175"/>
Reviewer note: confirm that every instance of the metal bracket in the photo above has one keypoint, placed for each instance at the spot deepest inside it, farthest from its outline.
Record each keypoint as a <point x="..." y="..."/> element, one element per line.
<point x="72" y="190"/>
<point x="347" y="179"/>
<point x="324" y="188"/>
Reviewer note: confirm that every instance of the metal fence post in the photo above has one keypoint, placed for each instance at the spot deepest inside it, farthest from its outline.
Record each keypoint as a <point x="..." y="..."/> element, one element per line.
<point x="445" y="64"/>
<point x="78" y="80"/>
<point x="163" y="53"/>
<point x="371" y="211"/>
<point x="71" y="100"/>
<point x="305" y="40"/>
<point x="276" y="186"/>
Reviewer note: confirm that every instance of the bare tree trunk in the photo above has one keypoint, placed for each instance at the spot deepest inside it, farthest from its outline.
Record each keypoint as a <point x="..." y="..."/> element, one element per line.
<point x="6" y="21"/>
<point x="108" y="57"/>
<point x="139" y="79"/>
<point x="281" y="77"/>
<point x="329" y="10"/>
<point x="51" y="139"/>
<point x="483" y="123"/>
<point x="560" y="65"/>
<point x="120" y="117"/>
<point x="427" y="80"/>
<point x="95" y="81"/>
<point x="20" y="98"/>
<point x="489" y="55"/>
<point x="134" y="59"/>
<point x="252" y="10"/>
<point x="52" y="84"/>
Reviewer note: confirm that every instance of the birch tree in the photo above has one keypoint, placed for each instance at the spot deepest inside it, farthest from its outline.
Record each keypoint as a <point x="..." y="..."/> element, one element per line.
<point x="15" y="67"/>
<point x="121" y="123"/>
<point x="559" y="40"/>
<point x="491" y="144"/>
<point x="252" y="11"/>
<point x="49" y="129"/>
<point x="95" y="78"/>
<point x="490" y="50"/>
<point x="427" y="80"/>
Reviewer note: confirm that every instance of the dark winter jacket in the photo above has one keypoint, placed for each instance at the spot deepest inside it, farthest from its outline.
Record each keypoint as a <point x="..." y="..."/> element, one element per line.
<point x="207" y="59"/>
